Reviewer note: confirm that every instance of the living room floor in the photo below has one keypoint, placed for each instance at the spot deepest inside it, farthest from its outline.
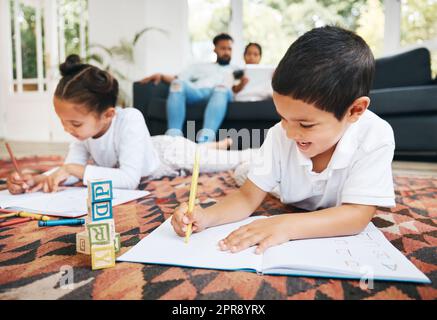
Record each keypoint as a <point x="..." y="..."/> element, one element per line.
<point x="27" y="149"/>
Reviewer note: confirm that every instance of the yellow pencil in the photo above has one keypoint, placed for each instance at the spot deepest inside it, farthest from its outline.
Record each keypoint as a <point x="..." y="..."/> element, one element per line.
<point x="34" y="216"/>
<point x="8" y="215"/>
<point x="193" y="191"/>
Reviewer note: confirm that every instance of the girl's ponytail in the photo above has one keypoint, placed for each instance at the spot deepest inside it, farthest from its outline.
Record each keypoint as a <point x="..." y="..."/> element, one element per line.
<point x="85" y="84"/>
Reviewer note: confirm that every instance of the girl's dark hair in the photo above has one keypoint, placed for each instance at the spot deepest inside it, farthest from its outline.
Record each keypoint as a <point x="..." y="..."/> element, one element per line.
<point x="329" y="67"/>
<point x="257" y="45"/>
<point x="86" y="84"/>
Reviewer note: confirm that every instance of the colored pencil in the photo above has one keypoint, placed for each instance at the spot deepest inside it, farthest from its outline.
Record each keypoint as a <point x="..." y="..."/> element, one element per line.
<point x="14" y="161"/>
<point x="8" y="215"/>
<point x="8" y="211"/>
<point x="193" y="191"/>
<point x="34" y="216"/>
<point x="15" y="221"/>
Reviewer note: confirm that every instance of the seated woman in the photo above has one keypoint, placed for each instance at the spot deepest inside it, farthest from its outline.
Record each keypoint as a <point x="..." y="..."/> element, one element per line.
<point x="253" y="81"/>
<point x="252" y="55"/>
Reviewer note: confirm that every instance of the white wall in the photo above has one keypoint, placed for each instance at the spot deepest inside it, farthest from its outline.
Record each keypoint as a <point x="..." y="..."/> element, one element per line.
<point x="4" y="16"/>
<point x="112" y="20"/>
<point x="392" y="29"/>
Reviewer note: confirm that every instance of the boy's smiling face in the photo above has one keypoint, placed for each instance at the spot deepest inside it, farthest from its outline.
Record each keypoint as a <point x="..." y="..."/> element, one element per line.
<point x="315" y="131"/>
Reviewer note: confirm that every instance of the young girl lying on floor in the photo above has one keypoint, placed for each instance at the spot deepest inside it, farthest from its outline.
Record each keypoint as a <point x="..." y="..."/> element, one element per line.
<point x="115" y="140"/>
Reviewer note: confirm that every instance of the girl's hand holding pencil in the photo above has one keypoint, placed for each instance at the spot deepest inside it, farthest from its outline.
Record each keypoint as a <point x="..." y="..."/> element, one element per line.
<point x="25" y="183"/>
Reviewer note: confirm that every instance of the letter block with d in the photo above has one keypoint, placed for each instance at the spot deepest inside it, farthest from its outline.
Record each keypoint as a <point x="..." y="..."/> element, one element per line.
<point x="101" y="210"/>
<point x="99" y="190"/>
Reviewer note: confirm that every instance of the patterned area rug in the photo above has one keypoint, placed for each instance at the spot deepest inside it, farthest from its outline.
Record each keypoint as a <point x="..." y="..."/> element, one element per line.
<point x="33" y="261"/>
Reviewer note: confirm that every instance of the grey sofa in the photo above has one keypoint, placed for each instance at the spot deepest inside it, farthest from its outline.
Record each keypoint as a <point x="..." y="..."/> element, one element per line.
<point x="403" y="93"/>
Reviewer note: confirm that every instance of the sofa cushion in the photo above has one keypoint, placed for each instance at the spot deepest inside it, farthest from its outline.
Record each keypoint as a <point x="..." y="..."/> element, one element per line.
<point x="406" y="100"/>
<point x="157" y="110"/>
<point x="144" y="93"/>
<point x="412" y="68"/>
<point x="415" y="132"/>
<point x="244" y="111"/>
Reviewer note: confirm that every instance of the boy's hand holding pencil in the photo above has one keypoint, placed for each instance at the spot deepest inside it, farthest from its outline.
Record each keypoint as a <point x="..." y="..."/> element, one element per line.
<point x="186" y="218"/>
<point x="182" y="219"/>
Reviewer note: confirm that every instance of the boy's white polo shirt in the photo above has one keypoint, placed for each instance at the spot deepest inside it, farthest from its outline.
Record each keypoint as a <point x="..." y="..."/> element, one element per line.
<point x="359" y="171"/>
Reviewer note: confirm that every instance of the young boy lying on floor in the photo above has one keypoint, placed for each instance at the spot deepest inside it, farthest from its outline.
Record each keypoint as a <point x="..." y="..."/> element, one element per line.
<point x="329" y="154"/>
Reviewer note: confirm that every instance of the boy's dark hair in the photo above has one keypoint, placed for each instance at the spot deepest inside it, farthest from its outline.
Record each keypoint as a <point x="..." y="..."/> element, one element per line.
<point x="86" y="84"/>
<point x="329" y="67"/>
<point x="257" y="45"/>
<point x="220" y="37"/>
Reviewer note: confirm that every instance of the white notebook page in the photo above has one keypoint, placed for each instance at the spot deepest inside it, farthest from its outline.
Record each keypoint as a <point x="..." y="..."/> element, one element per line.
<point x="70" y="202"/>
<point x="366" y="254"/>
<point x="164" y="246"/>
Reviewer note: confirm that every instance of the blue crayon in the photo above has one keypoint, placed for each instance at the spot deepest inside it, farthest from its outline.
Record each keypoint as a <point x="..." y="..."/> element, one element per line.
<point x="65" y="222"/>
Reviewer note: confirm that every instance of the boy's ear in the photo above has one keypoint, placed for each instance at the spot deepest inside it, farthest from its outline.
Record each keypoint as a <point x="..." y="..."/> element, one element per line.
<point x="357" y="108"/>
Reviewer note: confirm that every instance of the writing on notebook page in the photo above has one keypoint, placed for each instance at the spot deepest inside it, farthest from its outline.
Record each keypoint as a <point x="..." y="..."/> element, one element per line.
<point x="367" y="240"/>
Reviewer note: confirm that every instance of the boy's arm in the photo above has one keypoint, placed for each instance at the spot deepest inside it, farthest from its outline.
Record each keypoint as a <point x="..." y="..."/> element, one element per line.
<point x="236" y="206"/>
<point x="347" y="219"/>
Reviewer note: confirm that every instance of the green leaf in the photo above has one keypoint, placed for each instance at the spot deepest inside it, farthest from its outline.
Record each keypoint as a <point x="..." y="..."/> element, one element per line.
<point x="106" y="49"/>
<point x="139" y="34"/>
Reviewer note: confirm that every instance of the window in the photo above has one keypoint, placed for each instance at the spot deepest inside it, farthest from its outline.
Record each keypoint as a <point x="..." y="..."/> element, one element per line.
<point x="419" y="25"/>
<point x="275" y="24"/>
<point x="73" y="27"/>
<point x="28" y="38"/>
<point x="26" y="29"/>
<point x="207" y="18"/>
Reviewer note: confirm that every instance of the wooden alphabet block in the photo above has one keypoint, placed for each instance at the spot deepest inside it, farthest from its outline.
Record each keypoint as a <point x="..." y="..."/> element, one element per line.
<point x="82" y="242"/>
<point x="102" y="256"/>
<point x="101" y="233"/>
<point x="100" y="190"/>
<point x="101" y="210"/>
<point x="117" y="242"/>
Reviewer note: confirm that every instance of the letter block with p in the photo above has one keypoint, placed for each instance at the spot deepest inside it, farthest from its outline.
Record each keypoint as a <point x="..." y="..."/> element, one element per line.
<point x="99" y="190"/>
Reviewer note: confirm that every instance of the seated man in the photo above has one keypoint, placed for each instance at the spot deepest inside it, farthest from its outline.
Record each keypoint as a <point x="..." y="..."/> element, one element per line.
<point x="209" y="82"/>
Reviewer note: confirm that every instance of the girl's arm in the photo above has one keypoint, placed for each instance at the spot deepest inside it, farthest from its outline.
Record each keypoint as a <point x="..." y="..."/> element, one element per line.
<point x="74" y="165"/>
<point x="136" y="151"/>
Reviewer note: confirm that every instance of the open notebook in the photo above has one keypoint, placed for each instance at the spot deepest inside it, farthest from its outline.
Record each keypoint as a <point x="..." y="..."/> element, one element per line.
<point x="368" y="254"/>
<point x="68" y="203"/>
